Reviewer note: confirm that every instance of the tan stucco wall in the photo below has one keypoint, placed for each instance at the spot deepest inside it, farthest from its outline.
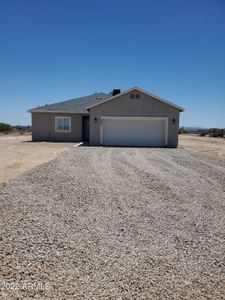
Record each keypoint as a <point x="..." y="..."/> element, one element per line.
<point x="123" y="106"/>
<point x="43" y="128"/>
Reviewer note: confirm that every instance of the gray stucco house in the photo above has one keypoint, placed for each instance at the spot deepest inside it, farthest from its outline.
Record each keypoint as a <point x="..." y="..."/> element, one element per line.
<point x="131" y="118"/>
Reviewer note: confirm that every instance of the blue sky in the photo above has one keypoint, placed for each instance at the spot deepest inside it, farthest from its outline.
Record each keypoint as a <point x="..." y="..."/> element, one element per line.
<point x="54" y="50"/>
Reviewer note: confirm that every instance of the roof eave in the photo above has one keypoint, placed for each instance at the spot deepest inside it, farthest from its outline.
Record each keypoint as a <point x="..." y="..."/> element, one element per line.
<point x="56" y="111"/>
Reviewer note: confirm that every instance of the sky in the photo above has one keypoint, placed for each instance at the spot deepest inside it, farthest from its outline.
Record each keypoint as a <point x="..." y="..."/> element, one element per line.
<point x="53" y="50"/>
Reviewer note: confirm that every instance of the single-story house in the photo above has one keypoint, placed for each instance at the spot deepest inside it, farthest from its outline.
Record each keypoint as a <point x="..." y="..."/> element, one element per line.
<point x="130" y="118"/>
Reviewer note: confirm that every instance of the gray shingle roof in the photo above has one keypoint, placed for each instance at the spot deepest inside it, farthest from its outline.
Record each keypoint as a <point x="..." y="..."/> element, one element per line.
<point x="77" y="105"/>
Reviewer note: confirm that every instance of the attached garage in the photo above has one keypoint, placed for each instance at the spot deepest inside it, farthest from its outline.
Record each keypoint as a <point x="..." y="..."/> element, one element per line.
<point x="134" y="131"/>
<point x="134" y="118"/>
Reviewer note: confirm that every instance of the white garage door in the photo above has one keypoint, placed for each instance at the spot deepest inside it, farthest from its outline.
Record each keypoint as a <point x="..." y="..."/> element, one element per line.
<point x="133" y="131"/>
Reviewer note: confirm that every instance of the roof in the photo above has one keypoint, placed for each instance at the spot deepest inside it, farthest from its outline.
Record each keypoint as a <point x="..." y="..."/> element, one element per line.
<point x="84" y="104"/>
<point x="77" y="105"/>
<point x="141" y="91"/>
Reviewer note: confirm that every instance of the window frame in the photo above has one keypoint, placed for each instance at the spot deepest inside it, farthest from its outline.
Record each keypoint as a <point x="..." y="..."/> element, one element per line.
<point x="56" y="124"/>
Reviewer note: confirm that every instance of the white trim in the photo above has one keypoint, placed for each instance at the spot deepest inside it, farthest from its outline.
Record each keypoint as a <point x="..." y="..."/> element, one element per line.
<point x="101" y="131"/>
<point x="134" y="118"/>
<point x="62" y="117"/>
<point x="166" y="131"/>
<point x="131" y="118"/>
<point x="141" y="91"/>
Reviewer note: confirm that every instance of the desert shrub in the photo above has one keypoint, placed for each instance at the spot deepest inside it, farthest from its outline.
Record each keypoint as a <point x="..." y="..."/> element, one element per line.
<point x="182" y="130"/>
<point x="216" y="132"/>
<point x="202" y="133"/>
<point x="22" y="128"/>
<point x="5" y="128"/>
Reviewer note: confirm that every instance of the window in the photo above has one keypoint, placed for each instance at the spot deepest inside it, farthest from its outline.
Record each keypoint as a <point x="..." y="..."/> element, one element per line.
<point x="131" y="96"/>
<point x="63" y="124"/>
<point x="137" y="96"/>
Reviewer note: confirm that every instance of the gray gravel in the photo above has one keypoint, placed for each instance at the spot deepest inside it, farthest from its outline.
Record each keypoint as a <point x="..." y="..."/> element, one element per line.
<point x="115" y="223"/>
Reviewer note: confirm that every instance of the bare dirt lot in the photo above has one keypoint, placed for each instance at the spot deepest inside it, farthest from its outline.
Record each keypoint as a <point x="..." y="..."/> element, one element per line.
<point x="115" y="223"/>
<point x="18" y="154"/>
<point x="214" y="147"/>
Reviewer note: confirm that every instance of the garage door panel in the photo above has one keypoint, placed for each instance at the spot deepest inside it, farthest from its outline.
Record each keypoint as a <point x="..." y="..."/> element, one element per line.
<point x="133" y="132"/>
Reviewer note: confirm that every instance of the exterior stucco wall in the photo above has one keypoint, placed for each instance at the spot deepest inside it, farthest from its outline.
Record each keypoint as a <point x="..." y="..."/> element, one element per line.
<point x="146" y="106"/>
<point x="43" y="128"/>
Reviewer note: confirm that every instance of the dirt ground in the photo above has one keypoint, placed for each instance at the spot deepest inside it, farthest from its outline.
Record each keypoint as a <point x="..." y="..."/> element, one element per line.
<point x="18" y="154"/>
<point x="214" y="147"/>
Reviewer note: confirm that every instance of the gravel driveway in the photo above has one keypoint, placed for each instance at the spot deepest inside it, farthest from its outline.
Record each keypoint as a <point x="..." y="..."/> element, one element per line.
<point x="115" y="223"/>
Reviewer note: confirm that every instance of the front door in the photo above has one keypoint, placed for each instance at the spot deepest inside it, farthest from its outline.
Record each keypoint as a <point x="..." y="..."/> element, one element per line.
<point x="86" y="128"/>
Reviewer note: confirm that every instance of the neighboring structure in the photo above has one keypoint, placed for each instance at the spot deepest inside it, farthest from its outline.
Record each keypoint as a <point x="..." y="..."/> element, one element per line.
<point x="132" y="118"/>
